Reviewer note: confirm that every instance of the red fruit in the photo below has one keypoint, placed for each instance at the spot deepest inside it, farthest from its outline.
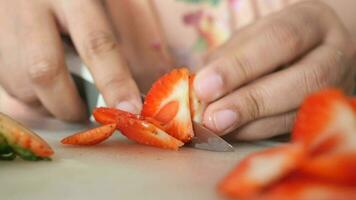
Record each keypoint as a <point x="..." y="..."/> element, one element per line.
<point x="196" y="106"/>
<point x="353" y="103"/>
<point x="17" y="135"/>
<point x="337" y="168"/>
<point x="326" y="123"/>
<point x="300" y="187"/>
<point x="168" y="103"/>
<point x="108" y="115"/>
<point x="144" y="132"/>
<point x="259" y="170"/>
<point x="92" y="136"/>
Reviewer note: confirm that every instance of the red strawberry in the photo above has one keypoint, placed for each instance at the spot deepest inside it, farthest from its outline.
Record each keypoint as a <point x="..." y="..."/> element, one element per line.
<point x="338" y="168"/>
<point x="108" y="115"/>
<point x="326" y="123"/>
<point x="353" y="103"/>
<point x="259" y="170"/>
<point x="196" y="106"/>
<point x="300" y="187"/>
<point x="168" y="103"/>
<point x="144" y="132"/>
<point x="92" y="136"/>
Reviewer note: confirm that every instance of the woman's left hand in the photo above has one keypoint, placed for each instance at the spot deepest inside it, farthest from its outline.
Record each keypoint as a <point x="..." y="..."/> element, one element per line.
<point x="255" y="83"/>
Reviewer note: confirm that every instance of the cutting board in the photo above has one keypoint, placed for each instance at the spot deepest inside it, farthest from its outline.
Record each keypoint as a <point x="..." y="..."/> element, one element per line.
<point x="116" y="169"/>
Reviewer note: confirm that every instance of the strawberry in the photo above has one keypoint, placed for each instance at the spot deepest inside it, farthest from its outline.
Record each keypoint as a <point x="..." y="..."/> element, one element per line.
<point x="261" y="169"/>
<point x="326" y="123"/>
<point x="301" y="187"/>
<point x="168" y="103"/>
<point x="196" y="106"/>
<point x="16" y="139"/>
<point x="108" y="115"/>
<point x="92" y="136"/>
<point x="338" y="168"/>
<point x="144" y="132"/>
<point x="353" y="103"/>
<point x="140" y="129"/>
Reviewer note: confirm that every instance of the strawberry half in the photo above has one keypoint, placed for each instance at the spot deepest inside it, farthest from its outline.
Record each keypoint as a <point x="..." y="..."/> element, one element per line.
<point x="16" y="139"/>
<point x="168" y="103"/>
<point x="196" y="106"/>
<point x="261" y="169"/>
<point x="92" y="136"/>
<point x="326" y="123"/>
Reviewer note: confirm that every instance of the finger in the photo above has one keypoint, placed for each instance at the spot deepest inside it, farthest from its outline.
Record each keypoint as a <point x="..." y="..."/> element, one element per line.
<point x="265" y="127"/>
<point x="43" y="55"/>
<point x="95" y="41"/>
<point x="260" y="49"/>
<point x="13" y="77"/>
<point x="279" y="92"/>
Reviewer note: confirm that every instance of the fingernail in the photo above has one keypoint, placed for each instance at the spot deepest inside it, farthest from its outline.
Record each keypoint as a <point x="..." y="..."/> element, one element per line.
<point x="127" y="106"/>
<point x="222" y="120"/>
<point x="208" y="86"/>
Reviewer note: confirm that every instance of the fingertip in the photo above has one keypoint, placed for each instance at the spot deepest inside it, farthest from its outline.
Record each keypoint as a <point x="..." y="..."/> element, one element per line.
<point x="128" y="106"/>
<point x="208" y="85"/>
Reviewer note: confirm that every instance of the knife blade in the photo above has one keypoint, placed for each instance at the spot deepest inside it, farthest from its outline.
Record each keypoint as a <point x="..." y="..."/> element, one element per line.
<point x="208" y="140"/>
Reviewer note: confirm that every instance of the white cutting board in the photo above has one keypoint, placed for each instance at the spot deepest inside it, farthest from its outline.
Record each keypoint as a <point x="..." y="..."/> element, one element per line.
<point x="115" y="169"/>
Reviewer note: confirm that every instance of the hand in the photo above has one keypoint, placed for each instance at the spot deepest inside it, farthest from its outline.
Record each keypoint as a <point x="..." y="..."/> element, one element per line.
<point x="255" y="83"/>
<point x="32" y="66"/>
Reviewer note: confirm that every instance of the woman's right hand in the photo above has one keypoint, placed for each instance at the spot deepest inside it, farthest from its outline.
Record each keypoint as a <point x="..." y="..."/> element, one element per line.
<point x="32" y="66"/>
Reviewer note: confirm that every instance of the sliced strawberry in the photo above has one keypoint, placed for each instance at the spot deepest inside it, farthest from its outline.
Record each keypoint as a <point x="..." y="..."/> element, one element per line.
<point x="23" y="141"/>
<point x="144" y="132"/>
<point x="353" y="103"/>
<point x="299" y="187"/>
<point x="168" y="103"/>
<point x="261" y="169"/>
<point x="92" y="136"/>
<point x="326" y="123"/>
<point x="105" y="115"/>
<point x="338" y="168"/>
<point x="196" y="106"/>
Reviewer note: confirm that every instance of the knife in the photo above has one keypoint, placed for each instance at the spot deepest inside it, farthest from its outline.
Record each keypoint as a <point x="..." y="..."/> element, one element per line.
<point x="207" y="140"/>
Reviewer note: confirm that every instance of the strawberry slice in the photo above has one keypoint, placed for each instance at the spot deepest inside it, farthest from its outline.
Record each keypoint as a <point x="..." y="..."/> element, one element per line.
<point x="338" y="168"/>
<point x="137" y="128"/>
<point x="168" y="103"/>
<point x="353" y="103"/>
<point x="326" y="123"/>
<point x="92" y="136"/>
<point x="261" y="169"/>
<point x="15" y="138"/>
<point x="301" y="187"/>
<point x="196" y="106"/>
<point x="144" y="132"/>
<point x="105" y="115"/>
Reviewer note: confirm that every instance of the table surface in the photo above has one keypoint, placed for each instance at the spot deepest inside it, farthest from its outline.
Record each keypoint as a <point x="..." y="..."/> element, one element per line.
<point x="116" y="169"/>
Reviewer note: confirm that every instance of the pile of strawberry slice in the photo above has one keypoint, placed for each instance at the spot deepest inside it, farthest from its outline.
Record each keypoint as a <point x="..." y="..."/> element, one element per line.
<point x="165" y="120"/>
<point x="319" y="163"/>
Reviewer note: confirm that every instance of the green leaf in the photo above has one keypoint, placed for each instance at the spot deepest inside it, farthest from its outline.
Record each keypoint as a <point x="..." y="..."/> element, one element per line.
<point x="6" y="152"/>
<point x="27" y="154"/>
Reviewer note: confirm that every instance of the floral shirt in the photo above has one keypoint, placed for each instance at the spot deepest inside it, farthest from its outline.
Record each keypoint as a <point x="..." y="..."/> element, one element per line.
<point x="157" y="35"/>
